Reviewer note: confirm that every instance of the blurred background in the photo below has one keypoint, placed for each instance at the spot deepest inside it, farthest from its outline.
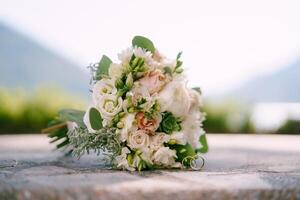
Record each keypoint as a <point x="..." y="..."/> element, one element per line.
<point x="245" y="56"/>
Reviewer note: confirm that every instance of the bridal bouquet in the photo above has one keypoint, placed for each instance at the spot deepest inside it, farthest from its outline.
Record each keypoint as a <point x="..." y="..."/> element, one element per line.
<point x="142" y="114"/>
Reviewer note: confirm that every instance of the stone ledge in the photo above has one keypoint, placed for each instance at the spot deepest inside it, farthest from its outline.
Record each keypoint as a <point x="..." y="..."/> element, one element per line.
<point x="237" y="167"/>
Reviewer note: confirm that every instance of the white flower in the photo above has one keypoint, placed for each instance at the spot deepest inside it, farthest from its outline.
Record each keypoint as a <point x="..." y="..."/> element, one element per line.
<point x="138" y="139"/>
<point x="122" y="161"/>
<point x="153" y="81"/>
<point x="86" y="120"/>
<point x="179" y="137"/>
<point x="127" y="120"/>
<point x="109" y="105"/>
<point x="191" y="126"/>
<point x="115" y="71"/>
<point x="102" y="87"/>
<point x="142" y="53"/>
<point x="175" y="98"/>
<point x="192" y="123"/>
<point x="139" y="92"/>
<point x="146" y="155"/>
<point x="196" y="99"/>
<point x="164" y="156"/>
<point x="157" y="140"/>
<point x="125" y="55"/>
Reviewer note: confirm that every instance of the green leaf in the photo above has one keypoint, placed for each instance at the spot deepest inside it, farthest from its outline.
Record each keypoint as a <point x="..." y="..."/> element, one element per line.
<point x="197" y="89"/>
<point x="103" y="67"/>
<point x="169" y="123"/>
<point x="183" y="151"/>
<point x="57" y="130"/>
<point x="95" y="119"/>
<point x="179" y="55"/>
<point x="73" y="116"/>
<point x="144" y="43"/>
<point x="204" y="144"/>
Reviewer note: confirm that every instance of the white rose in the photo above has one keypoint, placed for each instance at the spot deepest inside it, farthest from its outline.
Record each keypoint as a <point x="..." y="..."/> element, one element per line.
<point x="157" y="140"/>
<point x="102" y="87"/>
<point x="115" y="71"/>
<point x="109" y="106"/>
<point x="138" y="139"/>
<point x="127" y="120"/>
<point x="175" y="98"/>
<point x="122" y="161"/>
<point x="164" y="156"/>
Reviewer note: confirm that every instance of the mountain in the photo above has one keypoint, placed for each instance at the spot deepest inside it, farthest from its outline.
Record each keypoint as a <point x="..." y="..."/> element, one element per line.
<point x="280" y="86"/>
<point x="27" y="64"/>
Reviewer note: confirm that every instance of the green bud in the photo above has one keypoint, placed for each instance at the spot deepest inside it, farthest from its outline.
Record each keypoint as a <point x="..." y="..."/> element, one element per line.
<point x="172" y="142"/>
<point x="178" y="64"/>
<point x="138" y="152"/>
<point x="135" y="62"/>
<point x="130" y="159"/>
<point x="116" y="119"/>
<point x="120" y="125"/>
<point x="127" y="69"/>
<point x="119" y="83"/>
<point x="179" y="70"/>
<point x="122" y="114"/>
<point x="131" y="109"/>
<point x="141" y="62"/>
<point x="129" y="80"/>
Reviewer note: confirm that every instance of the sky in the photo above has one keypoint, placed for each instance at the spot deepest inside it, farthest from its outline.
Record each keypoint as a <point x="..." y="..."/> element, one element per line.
<point x="224" y="43"/>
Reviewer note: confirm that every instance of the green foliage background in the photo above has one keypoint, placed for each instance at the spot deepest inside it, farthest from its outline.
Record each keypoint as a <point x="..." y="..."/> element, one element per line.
<point x="23" y="112"/>
<point x="30" y="112"/>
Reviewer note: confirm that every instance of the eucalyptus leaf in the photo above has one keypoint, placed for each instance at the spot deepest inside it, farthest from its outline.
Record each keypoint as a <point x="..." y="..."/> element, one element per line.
<point x="143" y="42"/>
<point x="204" y="144"/>
<point x="95" y="119"/>
<point x="73" y="116"/>
<point x="103" y="67"/>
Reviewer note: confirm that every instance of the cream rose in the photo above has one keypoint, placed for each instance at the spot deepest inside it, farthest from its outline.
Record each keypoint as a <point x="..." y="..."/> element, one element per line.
<point x="175" y="98"/>
<point x="154" y="81"/>
<point x="138" y="139"/>
<point x="102" y="87"/>
<point x="157" y="140"/>
<point x="109" y="106"/>
<point x="164" y="156"/>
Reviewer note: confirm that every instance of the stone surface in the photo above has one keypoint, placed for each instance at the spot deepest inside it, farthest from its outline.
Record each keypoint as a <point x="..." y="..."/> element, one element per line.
<point x="237" y="167"/>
